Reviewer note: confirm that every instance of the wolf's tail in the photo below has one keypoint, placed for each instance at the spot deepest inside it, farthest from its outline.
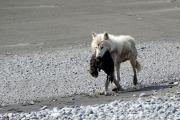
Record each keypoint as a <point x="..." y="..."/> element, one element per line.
<point x="138" y="66"/>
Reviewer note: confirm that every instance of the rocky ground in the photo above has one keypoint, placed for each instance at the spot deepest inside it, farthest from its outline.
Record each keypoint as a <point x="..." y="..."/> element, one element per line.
<point x="64" y="73"/>
<point x="150" y="108"/>
<point x="59" y="78"/>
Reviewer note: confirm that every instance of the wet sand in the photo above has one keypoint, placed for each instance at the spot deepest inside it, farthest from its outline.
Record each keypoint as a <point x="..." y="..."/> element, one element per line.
<point x="27" y="26"/>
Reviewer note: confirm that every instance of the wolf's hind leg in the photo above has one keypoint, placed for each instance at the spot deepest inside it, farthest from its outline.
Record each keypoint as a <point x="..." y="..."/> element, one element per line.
<point x="133" y="64"/>
<point x="117" y="66"/>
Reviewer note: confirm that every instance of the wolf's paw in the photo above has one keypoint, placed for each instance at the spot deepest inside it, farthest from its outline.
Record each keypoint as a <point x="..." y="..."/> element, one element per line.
<point x="137" y="87"/>
<point x="105" y="93"/>
<point x="101" y="93"/>
<point x="116" y="89"/>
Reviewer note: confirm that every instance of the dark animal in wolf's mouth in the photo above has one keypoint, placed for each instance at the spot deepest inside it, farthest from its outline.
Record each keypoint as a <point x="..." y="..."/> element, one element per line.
<point x="105" y="63"/>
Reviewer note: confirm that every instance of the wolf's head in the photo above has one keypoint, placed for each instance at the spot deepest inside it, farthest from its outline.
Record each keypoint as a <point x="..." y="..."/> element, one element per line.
<point x="100" y="44"/>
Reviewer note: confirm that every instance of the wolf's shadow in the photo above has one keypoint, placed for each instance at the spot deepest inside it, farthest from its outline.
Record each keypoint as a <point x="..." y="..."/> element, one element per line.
<point x="150" y="88"/>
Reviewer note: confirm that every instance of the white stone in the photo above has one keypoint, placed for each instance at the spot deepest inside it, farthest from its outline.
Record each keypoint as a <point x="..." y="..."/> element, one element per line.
<point x="56" y="115"/>
<point x="31" y="103"/>
<point x="176" y="83"/>
<point x="142" y="95"/>
<point x="134" y="95"/>
<point x="44" y="107"/>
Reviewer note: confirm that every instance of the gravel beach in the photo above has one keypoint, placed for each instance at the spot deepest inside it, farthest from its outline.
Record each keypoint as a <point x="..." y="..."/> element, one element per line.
<point x="58" y="74"/>
<point x="64" y="73"/>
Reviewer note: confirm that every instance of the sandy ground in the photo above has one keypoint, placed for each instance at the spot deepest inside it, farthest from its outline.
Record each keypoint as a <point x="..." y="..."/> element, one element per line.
<point x="40" y="24"/>
<point x="54" y="36"/>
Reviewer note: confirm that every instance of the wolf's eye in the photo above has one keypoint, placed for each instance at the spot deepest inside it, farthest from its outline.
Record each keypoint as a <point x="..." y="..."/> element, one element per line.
<point x="102" y="47"/>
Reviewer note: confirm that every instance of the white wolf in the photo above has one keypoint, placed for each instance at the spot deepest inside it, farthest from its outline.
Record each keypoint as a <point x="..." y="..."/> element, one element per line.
<point x="122" y="48"/>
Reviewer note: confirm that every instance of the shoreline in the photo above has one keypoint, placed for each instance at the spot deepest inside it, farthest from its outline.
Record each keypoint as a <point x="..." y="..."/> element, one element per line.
<point x="85" y="99"/>
<point x="156" y="105"/>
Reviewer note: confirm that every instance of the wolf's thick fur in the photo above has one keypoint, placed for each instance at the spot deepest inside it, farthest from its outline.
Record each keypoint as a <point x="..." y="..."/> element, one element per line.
<point x="106" y="64"/>
<point x="122" y="48"/>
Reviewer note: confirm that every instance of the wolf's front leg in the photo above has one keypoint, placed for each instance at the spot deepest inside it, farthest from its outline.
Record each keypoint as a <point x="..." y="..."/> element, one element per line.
<point x="106" y="86"/>
<point x="118" y="86"/>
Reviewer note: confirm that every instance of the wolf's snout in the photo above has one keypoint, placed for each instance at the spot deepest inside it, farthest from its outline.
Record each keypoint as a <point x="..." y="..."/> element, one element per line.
<point x="98" y="58"/>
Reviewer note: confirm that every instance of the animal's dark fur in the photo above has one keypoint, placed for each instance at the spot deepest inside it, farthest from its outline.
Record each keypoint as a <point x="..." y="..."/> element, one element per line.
<point x="105" y="63"/>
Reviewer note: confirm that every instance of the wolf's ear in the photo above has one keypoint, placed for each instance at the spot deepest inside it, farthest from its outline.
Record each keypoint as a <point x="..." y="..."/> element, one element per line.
<point x="93" y="34"/>
<point x="106" y="36"/>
